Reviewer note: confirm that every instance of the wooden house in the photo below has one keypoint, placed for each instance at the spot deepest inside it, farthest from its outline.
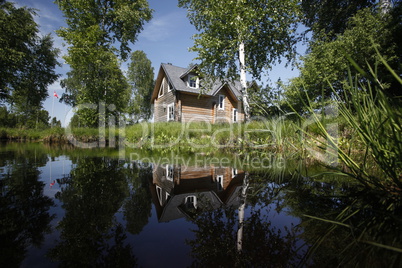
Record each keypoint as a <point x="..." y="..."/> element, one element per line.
<point x="180" y="95"/>
<point x="180" y="191"/>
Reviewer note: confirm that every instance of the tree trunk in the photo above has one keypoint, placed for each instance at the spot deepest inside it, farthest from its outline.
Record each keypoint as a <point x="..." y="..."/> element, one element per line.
<point x="243" y="82"/>
<point x="240" y="230"/>
<point x="385" y="6"/>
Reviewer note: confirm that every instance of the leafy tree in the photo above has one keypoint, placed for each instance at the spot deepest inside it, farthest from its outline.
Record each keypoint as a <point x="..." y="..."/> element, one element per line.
<point x="7" y="119"/>
<point x="326" y="67"/>
<point x="331" y="16"/>
<point x="38" y="119"/>
<point x="96" y="79"/>
<point x="141" y="80"/>
<point x="94" y="27"/>
<point x="264" y="101"/>
<point x="27" y="61"/>
<point x="236" y="36"/>
<point x="55" y="122"/>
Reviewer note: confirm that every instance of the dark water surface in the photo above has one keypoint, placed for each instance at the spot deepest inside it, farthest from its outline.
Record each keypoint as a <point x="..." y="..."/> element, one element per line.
<point x="63" y="207"/>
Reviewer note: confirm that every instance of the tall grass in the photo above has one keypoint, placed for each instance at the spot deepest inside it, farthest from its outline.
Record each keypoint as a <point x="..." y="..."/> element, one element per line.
<point x="275" y="135"/>
<point x="375" y="119"/>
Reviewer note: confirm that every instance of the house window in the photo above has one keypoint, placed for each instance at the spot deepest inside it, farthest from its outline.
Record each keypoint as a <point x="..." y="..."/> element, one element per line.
<point x="234" y="172"/>
<point x="159" y="194"/>
<point x="235" y="115"/>
<point x="170" y="87"/>
<point x="221" y="105"/>
<point x="192" y="81"/>
<point x="219" y="182"/>
<point x="169" y="173"/>
<point x="170" y="112"/>
<point x="162" y="88"/>
<point x="190" y="201"/>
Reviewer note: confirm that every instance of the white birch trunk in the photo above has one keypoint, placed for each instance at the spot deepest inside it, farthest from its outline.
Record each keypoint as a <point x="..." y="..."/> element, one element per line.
<point x="243" y="81"/>
<point x="242" y="207"/>
<point x="385" y="6"/>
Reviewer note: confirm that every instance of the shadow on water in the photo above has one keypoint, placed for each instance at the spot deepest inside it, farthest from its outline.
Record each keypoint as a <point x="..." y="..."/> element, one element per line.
<point x="87" y="208"/>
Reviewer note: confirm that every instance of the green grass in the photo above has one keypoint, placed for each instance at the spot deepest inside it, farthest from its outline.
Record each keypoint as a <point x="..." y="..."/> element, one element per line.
<point x="369" y="141"/>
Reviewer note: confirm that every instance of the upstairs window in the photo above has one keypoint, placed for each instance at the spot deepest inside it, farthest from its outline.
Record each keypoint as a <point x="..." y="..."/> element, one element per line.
<point x="190" y="202"/>
<point x="221" y="104"/>
<point x="192" y="81"/>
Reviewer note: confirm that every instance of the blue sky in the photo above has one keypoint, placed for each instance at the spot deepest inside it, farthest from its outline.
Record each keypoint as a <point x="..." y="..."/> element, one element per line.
<point x="166" y="38"/>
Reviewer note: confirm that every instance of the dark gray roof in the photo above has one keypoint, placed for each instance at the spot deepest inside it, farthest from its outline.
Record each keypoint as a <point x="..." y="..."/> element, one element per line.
<point x="177" y="74"/>
<point x="205" y="200"/>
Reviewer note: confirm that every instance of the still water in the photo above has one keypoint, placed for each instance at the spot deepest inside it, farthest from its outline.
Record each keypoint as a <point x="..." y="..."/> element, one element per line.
<point x="66" y="207"/>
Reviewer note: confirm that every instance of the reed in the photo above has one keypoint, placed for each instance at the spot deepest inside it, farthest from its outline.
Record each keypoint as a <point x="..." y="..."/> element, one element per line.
<point x="375" y="120"/>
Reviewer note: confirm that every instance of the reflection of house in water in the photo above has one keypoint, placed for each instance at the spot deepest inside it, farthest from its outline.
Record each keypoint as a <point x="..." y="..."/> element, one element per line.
<point x="180" y="191"/>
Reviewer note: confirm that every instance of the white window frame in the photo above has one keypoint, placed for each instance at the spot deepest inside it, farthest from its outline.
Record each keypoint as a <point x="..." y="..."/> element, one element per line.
<point x="169" y="87"/>
<point x="159" y="192"/>
<point x="192" y="199"/>
<point x="169" y="113"/>
<point x="190" y="80"/>
<point x="162" y="88"/>
<point x="221" y="103"/>
<point x="169" y="172"/>
<point x="234" y="172"/>
<point x="219" y="182"/>
<point x="235" y="115"/>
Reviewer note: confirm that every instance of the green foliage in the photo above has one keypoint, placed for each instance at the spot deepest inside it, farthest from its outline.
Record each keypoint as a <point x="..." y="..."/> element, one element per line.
<point x="96" y="79"/>
<point x="264" y="101"/>
<point x="331" y="16"/>
<point x="102" y="23"/>
<point x="141" y="79"/>
<point x="55" y="122"/>
<point x="95" y="76"/>
<point x="27" y="63"/>
<point x="376" y="121"/>
<point x="325" y="67"/>
<point x="38" y="119"/>
<point x="267" y="29"/>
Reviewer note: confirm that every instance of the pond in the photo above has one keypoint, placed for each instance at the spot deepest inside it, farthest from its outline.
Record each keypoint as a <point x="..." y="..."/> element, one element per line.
<point x="69" y="207"/>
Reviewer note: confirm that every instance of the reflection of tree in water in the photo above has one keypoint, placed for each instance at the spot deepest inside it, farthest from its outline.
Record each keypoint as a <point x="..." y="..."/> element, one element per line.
<point x="137" y="208"/>
<point x="262" y="245"/>
<point x="91" y="198"/>
<point x="24" y="217"/>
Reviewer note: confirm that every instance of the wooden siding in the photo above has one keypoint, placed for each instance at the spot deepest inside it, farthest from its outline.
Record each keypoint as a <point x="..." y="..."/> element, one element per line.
<point x="161" y="104"/>
<point x="196" y="108"/>
<point x="190" y="179"/>
<point x="205" y="108"/>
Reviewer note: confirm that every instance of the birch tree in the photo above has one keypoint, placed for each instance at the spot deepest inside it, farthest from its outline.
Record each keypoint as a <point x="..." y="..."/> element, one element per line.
<point x="141" y="79"/>
<point x="240" y="36"/>
<point x="99" y="34"/>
